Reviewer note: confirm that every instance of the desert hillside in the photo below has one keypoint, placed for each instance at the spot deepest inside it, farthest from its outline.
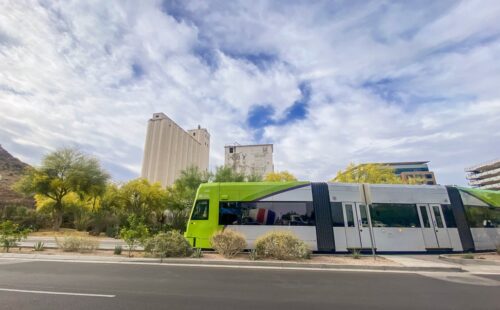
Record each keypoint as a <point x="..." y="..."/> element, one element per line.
<point x="11" y="170"/>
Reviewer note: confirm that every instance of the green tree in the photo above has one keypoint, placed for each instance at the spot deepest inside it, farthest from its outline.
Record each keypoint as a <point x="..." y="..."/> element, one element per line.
<point x="254" y="177"/>
<point x="280" y="176"/>
<point x="181" y="195"/>
<point x="10" y="234"/>
<point x="63" y="172"/>
<point x="145" y="200"/>
<point x="228" y="174"/>
<point x="133" y="235"/>
<point x="367" y="173"/>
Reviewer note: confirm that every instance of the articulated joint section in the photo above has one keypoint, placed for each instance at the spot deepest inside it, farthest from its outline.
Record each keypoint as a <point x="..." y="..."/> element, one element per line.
<point x="323" y="214"/>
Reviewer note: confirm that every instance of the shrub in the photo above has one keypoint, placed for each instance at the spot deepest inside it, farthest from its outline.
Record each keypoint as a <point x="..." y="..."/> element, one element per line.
<point x="356" y="253"/>
<point x="77" y="244"/>
<point x="11" y="234"/>
<point x="468" y="256"/>
<point x="118" y="250"/>
<point x="253" y="255"/>
<point x="39" y="246"/>
<point x="197" y="253"/>
<point x="26" y="218"/>
<point x="169" y="244"/>
<point x="228" y="242"/>
<point x="135" y="234"/>
<point x="112" y="231"/>
<point x="282" y="245"/>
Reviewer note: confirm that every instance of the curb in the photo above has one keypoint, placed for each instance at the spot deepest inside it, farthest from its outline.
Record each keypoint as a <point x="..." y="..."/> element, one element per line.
<point x="224" y="263"/>
<point x="468" y="262"/>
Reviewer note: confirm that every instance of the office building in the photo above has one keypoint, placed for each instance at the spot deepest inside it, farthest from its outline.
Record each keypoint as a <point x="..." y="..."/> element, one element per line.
<point x="485" y="176"/>
<point x="413" y="169"/>
<point x="250" y="159"/>
<point x="169" y="149"/>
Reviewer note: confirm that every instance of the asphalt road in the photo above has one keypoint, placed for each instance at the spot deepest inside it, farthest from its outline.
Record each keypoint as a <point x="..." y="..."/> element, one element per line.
<point x="124" y="286"/>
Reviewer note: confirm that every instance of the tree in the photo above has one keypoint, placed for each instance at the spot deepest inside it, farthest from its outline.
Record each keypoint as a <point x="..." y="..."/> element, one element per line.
<point x="145" y="200"/>
<point x="10" y="234"/>
<point x="136" y="233"/>
<point x="228" y="174"/>
<point x="181" y="195"/>
<point x="368" y="173"/>
<point x="280" y="176"/>
<point x="63" y="172"/>
<point x="254" y="177"/>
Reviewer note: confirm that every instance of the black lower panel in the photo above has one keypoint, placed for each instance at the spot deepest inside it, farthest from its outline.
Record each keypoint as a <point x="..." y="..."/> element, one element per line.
<point x="323" y="215"/>
<point x="458" y="210"/>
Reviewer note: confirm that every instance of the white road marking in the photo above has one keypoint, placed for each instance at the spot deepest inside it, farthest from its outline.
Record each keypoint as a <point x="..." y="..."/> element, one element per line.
<point x="462" y="278"/>
<point x="55" y="293"/>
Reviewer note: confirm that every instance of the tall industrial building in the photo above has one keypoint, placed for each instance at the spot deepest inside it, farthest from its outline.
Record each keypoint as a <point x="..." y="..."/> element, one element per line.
<point x="485" y="176"/>
<point x="169" y="149"/>
<point x="250" y="159"/>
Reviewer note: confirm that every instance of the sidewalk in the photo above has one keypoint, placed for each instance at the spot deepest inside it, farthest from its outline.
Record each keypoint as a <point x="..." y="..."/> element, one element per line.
<point x="406" y="264"/>
<point x="50" y="242"/>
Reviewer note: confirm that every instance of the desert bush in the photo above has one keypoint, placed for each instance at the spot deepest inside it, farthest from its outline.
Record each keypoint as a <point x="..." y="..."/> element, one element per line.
<point x="253" y="255"/>
<point x="118" y="250"/>
<point x="77" y="244"/>
<point x="169" y="244"/>
<point x="282" y="245"/>
<point x="26" y="218"/>
<point x="39" y="246"/>
<point x="11" y="234"/>
<point x="468" y="256"/>
<point x="228" y="243"/>
<point x="135" y="234"/>
<point x="356" y="253"/>
<point x="197" y="253"/>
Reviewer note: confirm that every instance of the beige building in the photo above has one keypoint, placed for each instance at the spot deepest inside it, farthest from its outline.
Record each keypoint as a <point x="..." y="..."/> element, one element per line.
<point x="250" y="159"/>
<point x="169" y="149"/>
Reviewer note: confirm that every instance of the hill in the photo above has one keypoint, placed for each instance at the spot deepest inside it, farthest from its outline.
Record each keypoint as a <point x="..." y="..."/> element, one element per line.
<point x="11" y="170"/>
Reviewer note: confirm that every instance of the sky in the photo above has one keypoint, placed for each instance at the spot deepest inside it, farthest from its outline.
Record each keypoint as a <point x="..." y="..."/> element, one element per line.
<point x="327" y="82"/>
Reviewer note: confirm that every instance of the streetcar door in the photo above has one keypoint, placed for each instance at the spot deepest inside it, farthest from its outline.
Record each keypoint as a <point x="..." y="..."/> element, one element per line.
<point x="353" y="239"/>
<point x="363" y="225"/>
<point x="440" y="227"/>
<point x="427" y="225"/>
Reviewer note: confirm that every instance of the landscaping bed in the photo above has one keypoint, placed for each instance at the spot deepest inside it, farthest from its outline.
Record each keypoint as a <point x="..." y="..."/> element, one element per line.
<point x="319" y="259"/>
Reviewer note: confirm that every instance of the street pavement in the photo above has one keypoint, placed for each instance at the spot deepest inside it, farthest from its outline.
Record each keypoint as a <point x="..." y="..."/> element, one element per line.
<point x="76" y="285"/>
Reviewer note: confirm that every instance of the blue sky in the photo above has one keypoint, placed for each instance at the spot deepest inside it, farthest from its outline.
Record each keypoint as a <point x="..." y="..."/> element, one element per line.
<point x="328" y="82"/>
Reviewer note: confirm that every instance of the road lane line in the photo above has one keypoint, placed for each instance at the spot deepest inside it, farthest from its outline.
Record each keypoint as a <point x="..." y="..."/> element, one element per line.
<point x="55" y="293"/>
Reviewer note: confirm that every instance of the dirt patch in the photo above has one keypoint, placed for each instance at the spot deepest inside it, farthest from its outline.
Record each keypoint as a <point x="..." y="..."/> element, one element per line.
<point x="487" y="256"/>
<point x="64" y="232"/>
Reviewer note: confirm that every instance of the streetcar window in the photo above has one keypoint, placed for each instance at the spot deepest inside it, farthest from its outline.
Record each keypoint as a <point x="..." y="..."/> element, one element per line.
<point x="363" y="215"/>
<point x="425" y="216"/>
<point x="200" y="211"/>
<point x="394" y="215"/>
<point x="337" y="214"/>
<point x="482" y="217"/>
<point x="448" y="216"/>
<point x="437" y="216"/>
<point x="266" y="213"/>
<point x="350" y="215"/>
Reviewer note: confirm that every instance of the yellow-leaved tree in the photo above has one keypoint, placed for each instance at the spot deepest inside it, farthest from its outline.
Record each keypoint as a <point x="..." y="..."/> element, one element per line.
<point x="280" y="176"/>
<point x="368" y="173"/>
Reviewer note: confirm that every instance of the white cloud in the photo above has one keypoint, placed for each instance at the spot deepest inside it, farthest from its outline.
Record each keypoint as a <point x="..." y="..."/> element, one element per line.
<point x="90" y="74"/>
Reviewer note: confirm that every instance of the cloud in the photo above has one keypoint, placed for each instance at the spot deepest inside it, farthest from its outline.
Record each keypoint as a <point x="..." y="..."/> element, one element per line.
<point x="326" y="82"/>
